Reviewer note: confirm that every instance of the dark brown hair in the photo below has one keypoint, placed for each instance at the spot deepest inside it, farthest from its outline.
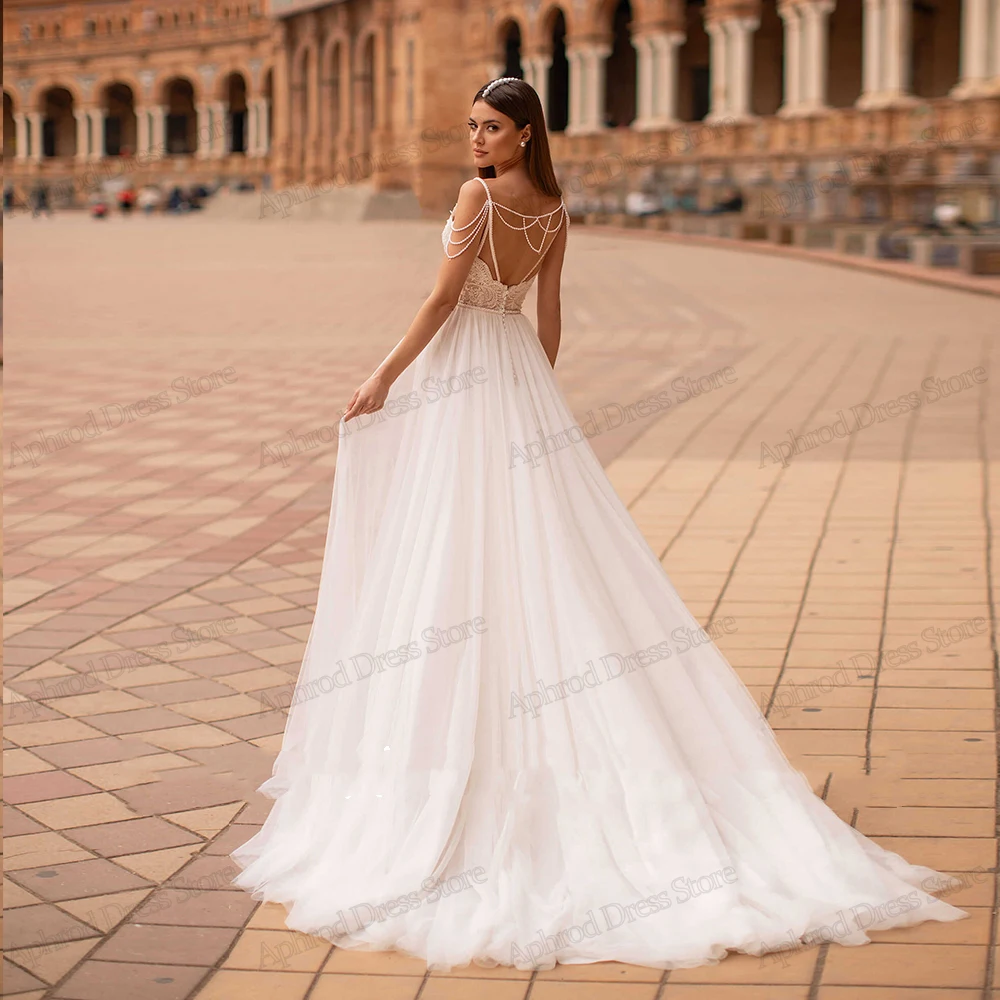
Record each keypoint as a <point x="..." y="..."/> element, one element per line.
<point x="519" y="101"/>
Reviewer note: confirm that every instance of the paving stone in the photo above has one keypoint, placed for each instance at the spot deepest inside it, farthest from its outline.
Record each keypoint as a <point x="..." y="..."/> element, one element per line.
<point x="127" y="837"/>
<point x="160" y="943"/>
<point x="119" y="545"/>
<point x="76" y="879"/>
<point x="44" y="926"/>
<point x="49" y="785"/>
<point x="18" y="980"/>
<point x="130" y="981"/>
<point x="197" y="907"/>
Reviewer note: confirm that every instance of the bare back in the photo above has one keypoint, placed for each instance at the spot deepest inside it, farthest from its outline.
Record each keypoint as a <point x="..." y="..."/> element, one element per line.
<point x="512" y="243"/>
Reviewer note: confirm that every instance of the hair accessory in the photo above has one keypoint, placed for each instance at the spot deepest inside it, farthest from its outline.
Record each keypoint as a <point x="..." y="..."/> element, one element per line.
<point x="493" y="83"/>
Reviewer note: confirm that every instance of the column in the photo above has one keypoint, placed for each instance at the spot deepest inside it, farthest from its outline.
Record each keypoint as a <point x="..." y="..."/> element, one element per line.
<point x="541" y="84"/>
<point x="280" y="108"/>
<point x="994" y="70"/>
<point x="220" y="135"/>
<point x="577" y="85"/>
<point x="82" y="134"/>
<point x="35" y="120"/>
<point x="872" y="32"/>
<point x="142" y="132"/>
<point x="645" y="73"/>
<point x="264" y="127"/>
<point x="20" y="136"/>
<point x="528" y="71"/>
<point x="741" y="31"/>
<point x="815" y="51"/>
<point x="158" y="130"/>
<point x="792" y="16"/>
<point x="203" y="135"/>
<point x="657" y="79"/>
<point x="596" y="84"/>
<point x="667" y="47"/>
<point x="898" y="38"/>
<point x="976" y="68"/>
<point x="97" y="148"/>
<point x="311" y="140"/>
<point x="250" y="137"/>
<point x="718" y="75"/>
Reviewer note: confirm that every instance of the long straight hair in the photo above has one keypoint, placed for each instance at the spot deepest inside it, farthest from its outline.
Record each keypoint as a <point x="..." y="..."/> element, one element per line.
<point x="519" y="101"/>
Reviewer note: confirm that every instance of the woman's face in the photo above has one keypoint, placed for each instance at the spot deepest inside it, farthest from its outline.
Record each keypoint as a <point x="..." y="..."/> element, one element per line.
<point x="494" y="137"/>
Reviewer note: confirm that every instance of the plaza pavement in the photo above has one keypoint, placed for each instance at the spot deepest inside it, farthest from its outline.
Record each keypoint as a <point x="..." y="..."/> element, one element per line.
<point x="160" y="576"/>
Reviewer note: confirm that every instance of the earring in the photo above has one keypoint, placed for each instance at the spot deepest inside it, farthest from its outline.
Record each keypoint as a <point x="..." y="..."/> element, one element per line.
<point x="522" y="142"/>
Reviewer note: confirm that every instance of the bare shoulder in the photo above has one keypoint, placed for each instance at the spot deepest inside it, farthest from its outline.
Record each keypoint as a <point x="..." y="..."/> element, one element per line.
<point x="472" y="193"/>
<point x="528" y="201"/>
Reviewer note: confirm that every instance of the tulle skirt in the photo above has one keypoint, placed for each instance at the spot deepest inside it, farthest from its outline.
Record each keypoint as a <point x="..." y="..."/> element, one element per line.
<point x="510" y="742"/>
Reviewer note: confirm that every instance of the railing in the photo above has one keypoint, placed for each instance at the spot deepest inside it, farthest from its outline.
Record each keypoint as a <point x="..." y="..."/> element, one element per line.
<point x="938" y="123"/>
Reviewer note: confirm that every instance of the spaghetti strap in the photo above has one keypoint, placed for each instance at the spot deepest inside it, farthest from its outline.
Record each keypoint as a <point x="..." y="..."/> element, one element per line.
<point x="489" y="227"/>
<point x="489" y="197"/>
<point x="483" y="227"/>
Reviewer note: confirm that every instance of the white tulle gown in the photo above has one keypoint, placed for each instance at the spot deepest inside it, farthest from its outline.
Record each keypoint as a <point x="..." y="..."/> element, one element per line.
<point x="508" y="743"/>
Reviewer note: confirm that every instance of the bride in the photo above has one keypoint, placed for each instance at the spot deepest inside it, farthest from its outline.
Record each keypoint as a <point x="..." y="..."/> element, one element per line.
<point x="510" y="742"/>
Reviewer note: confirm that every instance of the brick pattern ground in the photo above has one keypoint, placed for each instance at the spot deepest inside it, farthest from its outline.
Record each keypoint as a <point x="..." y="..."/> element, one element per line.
<point x="161" y="574"/>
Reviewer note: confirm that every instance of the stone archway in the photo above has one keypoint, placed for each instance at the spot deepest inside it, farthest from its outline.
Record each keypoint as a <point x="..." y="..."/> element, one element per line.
<point x="935" y="48"/>
<point x="182" y="118"/>
<point x="510" y="43"/>
<point x="694" y="93"/>
<point x="620" y="70"/>
<point x="302" y="98"/>
<point x="557" y="110"/>
<point x="768" y="87"/>
<point x="119" y="120"/>
<point x="331" y="110"/>
<point x="365" y="116"/>
<point x="9" y="128"/>
<point x="265" y="141"/>
<point x="844" y="74"/>
<point x="235" y="96"/>
<point x="58" y="123"/>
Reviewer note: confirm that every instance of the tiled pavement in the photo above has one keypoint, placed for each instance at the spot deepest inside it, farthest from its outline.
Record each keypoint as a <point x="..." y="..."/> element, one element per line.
<point x="161" y="572"/>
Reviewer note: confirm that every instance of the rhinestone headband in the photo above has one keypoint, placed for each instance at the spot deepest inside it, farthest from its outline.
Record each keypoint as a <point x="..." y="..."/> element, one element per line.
<point x="493" y="83"/>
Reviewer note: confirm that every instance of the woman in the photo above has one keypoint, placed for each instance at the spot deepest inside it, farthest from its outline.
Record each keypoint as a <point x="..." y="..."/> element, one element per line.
<point x="510" y="742"/>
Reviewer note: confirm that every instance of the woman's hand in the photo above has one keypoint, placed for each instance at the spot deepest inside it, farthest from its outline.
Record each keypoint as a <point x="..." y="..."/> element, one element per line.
<point x="368" y="397"/>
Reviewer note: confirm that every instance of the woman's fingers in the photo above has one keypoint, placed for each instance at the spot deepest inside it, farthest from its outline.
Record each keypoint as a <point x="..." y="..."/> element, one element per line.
<point x="364" y="400"/>
<point x="353" y="408"/>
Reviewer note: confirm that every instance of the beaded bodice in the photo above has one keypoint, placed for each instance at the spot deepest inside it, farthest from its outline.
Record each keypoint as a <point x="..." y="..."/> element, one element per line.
<point x="481" y="289"/>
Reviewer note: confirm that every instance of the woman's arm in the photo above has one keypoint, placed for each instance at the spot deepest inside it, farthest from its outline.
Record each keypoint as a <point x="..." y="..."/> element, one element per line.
<point x="469" y="220"/>
<point x="549" y="310"/>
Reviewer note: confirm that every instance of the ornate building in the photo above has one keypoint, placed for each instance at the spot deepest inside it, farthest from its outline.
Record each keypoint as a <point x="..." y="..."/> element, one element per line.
<point x="825" y="108"/>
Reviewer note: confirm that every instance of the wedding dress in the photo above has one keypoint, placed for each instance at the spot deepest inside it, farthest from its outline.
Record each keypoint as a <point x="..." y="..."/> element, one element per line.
<point x="510" y="742"/>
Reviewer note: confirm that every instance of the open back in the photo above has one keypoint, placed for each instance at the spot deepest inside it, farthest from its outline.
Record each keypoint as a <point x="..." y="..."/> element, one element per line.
<point x="511" y="244"/>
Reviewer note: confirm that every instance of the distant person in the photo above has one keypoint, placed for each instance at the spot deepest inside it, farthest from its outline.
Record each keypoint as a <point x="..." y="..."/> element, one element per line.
<point x="148" y="200"/>
<point x="641" y="203"/>
<point x="175" y="202"/>
<point x="946" y="214"/>
<point x="40" y="202"/>
<point x="732" y="204"/>
<point x="8" y="200"/>
<point x="126" y="201"/>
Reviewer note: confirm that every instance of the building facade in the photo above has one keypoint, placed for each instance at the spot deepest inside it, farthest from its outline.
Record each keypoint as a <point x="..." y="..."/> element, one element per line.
<point x="825" y="109"/>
